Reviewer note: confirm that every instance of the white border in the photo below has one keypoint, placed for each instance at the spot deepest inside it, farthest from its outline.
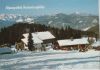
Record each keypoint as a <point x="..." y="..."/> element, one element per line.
<point x="99" y="16"/>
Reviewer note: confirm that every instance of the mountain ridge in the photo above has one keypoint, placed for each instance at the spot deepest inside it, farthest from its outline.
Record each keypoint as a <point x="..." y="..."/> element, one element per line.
<point x="74" y="20"/>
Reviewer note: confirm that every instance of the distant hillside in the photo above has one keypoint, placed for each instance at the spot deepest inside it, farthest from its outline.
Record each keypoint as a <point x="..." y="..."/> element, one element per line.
<point x="76" y="21"/>
<point x="95" y="29"/>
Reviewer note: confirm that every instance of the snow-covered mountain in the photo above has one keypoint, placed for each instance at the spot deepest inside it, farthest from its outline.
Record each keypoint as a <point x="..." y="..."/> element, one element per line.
<point x="7" y="16"/>
<point x="6" y="19"/>
<point x="9" y="19"/>
<point x="75" y="20"/>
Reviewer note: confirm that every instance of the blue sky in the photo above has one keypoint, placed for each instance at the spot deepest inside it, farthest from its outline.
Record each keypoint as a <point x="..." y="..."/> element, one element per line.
<point x="50" y="6"/>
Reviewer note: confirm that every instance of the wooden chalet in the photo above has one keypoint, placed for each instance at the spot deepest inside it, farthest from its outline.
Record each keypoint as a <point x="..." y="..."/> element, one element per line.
<point x="46" y="37"/>
<point x="73" y="44"/>
<point x="40" y="39"/>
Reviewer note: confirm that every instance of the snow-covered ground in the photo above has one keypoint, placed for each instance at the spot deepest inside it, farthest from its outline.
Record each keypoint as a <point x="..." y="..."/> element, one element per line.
<point x="5" y="50"/>
<point x="51" y="60"/>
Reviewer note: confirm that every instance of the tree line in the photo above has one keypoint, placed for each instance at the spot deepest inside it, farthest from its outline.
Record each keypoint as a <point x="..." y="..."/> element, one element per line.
<point x="12" y="34"/>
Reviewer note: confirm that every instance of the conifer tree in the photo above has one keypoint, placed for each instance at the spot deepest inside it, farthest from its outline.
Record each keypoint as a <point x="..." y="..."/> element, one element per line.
<point x="30" y="42"/>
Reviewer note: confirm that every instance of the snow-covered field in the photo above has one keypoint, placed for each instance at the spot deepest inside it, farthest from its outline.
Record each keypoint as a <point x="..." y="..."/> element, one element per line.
<point x="51" y="60"/>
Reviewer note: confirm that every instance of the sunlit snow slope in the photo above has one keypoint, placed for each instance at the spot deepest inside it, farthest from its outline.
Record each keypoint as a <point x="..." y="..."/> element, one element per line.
<point x="51" y="60"/>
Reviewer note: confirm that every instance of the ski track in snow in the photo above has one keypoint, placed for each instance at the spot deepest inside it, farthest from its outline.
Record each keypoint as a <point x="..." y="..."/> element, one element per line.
<point x="58" y="60"/>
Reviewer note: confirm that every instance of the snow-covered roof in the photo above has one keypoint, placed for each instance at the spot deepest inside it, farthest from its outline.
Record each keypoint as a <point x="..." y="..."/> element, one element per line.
<point x="41" y="35"/>
<point x="38" y="37"/>
<point x="36" y="40"/>
<point x="26" y="35"/>
<point x="25" y="40"/>
<point x="96" y="44"/>
<point x="67" y="42"/>
<point x="45" y="35"/>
